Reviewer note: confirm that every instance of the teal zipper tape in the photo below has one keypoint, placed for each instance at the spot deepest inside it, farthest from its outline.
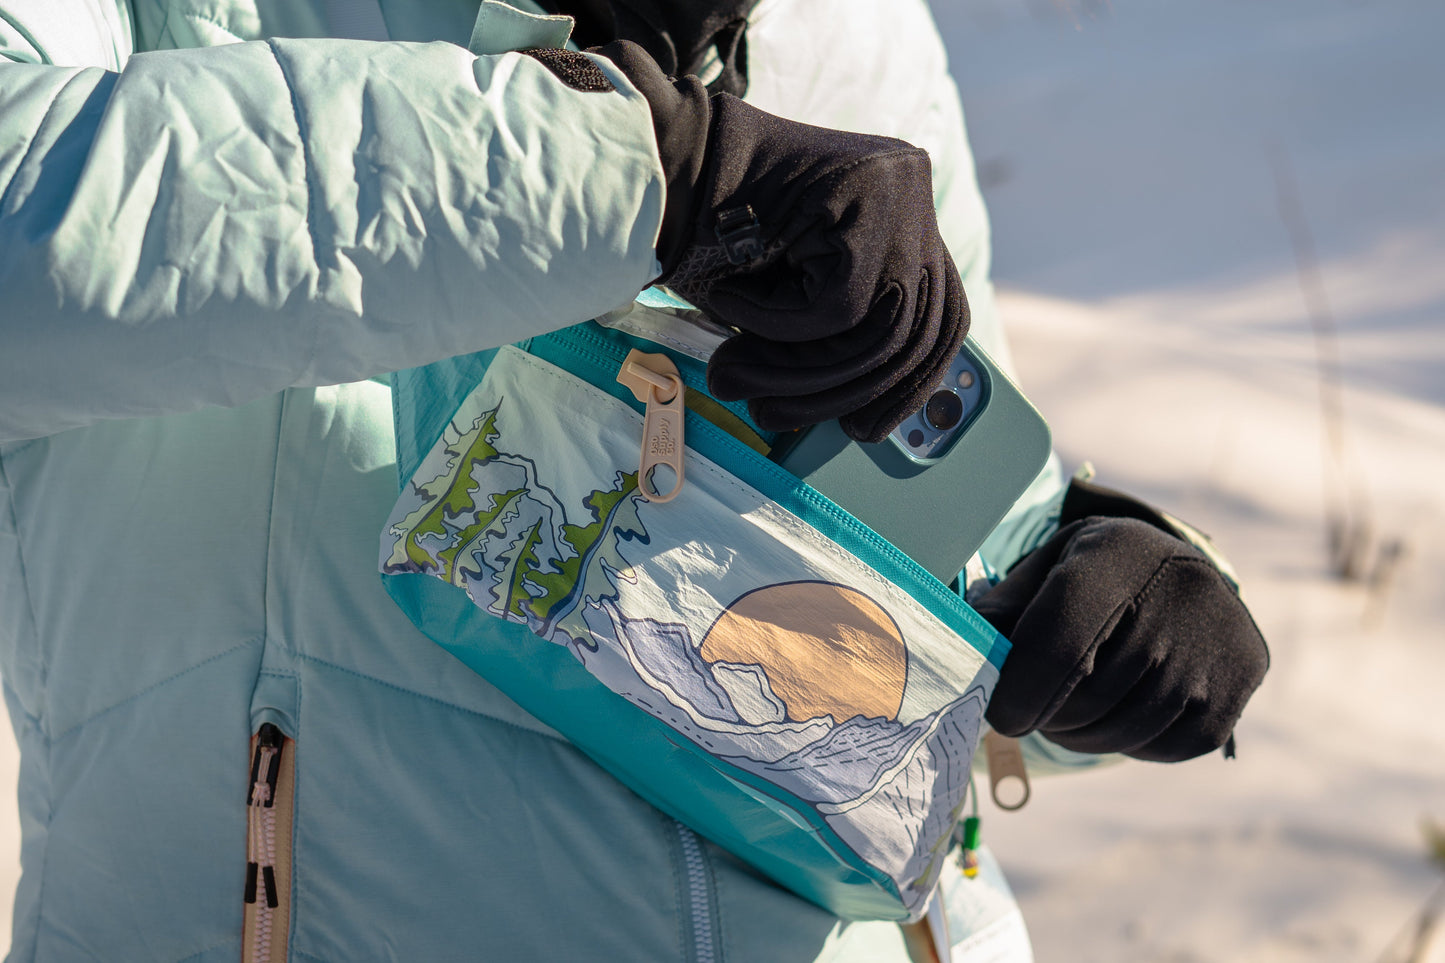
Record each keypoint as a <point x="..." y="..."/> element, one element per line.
<point x="568" y="348"/>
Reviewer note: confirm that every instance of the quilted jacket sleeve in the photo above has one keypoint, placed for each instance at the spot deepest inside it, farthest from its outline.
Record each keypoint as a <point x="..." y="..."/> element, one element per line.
<point x="207" y="226"/>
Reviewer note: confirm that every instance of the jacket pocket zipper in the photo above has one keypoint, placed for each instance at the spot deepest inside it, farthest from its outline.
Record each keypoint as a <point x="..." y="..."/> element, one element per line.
<point x="702" y="945"/>
<point x="269" y="796"/>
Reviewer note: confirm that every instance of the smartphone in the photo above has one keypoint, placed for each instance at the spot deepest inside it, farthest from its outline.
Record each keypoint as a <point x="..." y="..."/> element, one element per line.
<point x="937" y="485"/>
<point x="944" y="478"/>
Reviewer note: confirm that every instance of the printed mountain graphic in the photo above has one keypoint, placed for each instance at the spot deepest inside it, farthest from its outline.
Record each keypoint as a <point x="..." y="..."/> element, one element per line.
<point x="850" y="760"/>
<point x="822" y="761"/>
<point x="487" y="524"/>
<point x="918" y="801"/>
<point x="796" y="683"/>
<point x="673" y="665"/>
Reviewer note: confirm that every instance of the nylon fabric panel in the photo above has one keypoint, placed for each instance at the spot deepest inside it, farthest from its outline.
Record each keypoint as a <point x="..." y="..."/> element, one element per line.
<point x="49" y="111"/>
<point x="144" y="857"/>
<point x="173" y="24"/>
<point x="241" y="200"/>
<point x="141" y="552"/>
<point x="449" y="20"/>
<point x="356" y="19"/>
<point x="169" y="24"/>
<point x="512" y="204"/>
<point x="73" y="32"/>
<point x="143" y="278"/>
<point x="227" y="222"/>
<point x="20" y="664"/>
<point x="548" y="853"/>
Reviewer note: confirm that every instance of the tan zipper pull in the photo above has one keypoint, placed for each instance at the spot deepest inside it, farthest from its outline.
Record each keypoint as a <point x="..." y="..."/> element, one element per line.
<point x="1005" y="764"/>
<point x="653" y="380"/>
<point x="265" y="769"/>
<point x="266" y="914"/>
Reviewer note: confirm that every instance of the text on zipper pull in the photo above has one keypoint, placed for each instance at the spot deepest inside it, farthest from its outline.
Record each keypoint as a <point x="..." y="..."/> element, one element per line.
<point x="654" y="380"/>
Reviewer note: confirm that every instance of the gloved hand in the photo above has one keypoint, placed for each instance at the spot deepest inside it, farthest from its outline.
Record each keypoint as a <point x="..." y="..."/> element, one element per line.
<point x="821" y="246"/>
<point x="1126" y="639"/>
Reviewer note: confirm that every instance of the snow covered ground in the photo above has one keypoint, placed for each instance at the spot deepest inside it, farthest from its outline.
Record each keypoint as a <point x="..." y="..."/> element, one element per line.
<point x="1147" y="165"/>
<point x="1133" y="154"/>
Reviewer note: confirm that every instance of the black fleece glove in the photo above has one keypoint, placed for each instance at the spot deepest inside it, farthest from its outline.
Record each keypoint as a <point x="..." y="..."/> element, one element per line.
<point x="1126" y="638"/>
<point x="821" y="246"/>
<point x="681" y="35"/>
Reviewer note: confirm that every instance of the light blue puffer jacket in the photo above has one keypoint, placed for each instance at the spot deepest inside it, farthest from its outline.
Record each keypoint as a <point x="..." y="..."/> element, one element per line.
<point x="209" y="238"/>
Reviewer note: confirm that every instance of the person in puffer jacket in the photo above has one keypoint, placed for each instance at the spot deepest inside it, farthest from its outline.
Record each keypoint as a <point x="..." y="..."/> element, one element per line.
<point x="222" y="222"/>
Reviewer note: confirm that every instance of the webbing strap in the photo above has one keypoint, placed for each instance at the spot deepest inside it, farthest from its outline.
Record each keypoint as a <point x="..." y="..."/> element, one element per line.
<point x="356" y="20"/>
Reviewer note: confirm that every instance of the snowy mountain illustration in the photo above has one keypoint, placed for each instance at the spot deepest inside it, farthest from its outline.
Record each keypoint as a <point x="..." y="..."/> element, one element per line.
<point x="800" y="684"/>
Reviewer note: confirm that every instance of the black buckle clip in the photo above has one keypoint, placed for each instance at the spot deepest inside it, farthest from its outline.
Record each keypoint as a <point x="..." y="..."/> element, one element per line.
<point x="741" y="234"/>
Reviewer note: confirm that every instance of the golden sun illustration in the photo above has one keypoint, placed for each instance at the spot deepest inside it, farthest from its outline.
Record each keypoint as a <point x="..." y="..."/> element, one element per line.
<point x="825" y="649"/>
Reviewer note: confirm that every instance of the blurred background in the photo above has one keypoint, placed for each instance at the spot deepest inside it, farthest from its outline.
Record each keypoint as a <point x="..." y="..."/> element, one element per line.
<point x="1219" y="241"/>
<point x="1219" y="236"/>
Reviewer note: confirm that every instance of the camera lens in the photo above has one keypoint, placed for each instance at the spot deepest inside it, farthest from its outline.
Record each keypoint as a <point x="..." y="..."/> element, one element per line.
<point x="944" y="410"/>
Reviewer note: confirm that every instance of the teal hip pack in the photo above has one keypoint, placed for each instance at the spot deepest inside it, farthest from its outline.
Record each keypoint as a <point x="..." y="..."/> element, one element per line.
<point x="746" y="656"/>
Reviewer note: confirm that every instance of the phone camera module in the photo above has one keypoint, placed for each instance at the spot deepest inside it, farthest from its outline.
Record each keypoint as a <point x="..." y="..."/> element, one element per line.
<point x="944" y="410"/>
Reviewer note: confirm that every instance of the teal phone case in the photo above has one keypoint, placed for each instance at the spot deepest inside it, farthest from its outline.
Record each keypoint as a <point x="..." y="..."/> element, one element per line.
<point x="937" y="513"/>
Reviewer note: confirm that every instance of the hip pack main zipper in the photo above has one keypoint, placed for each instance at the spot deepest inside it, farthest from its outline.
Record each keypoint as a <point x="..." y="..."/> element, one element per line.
<point x="590" y="356"/>
<point x="654" y="381"/>
<point x="269" y="795"/>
